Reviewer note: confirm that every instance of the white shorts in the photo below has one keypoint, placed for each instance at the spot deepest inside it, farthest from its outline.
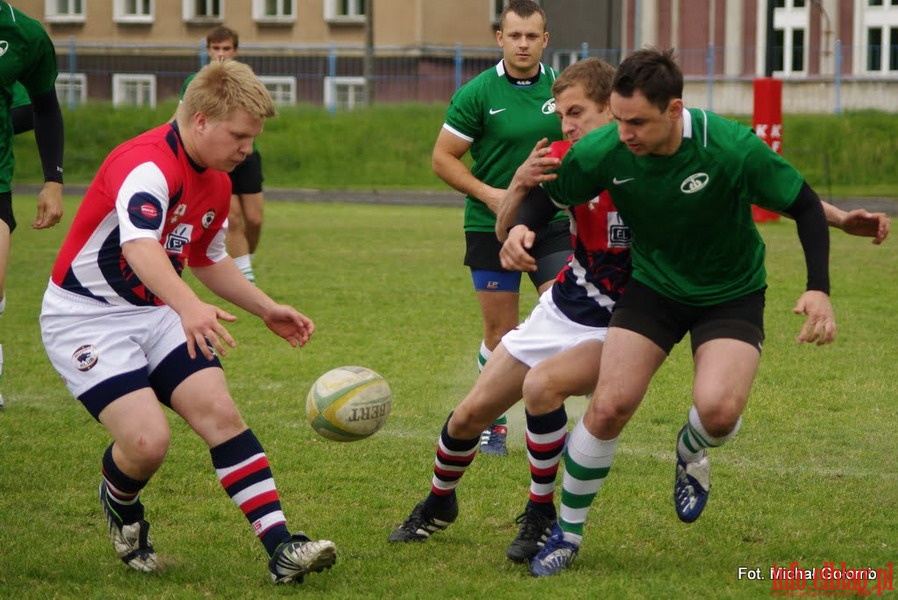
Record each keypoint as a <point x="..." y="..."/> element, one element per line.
<point x="547" y="332"/>
<point x="90" y="342"/>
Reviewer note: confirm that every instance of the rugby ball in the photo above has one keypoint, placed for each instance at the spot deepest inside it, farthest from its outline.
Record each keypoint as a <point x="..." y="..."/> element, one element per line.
<point x="347" y="404"/>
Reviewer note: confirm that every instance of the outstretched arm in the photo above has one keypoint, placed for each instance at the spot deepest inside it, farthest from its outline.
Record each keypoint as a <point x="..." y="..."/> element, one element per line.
<point x="447" y="164"/>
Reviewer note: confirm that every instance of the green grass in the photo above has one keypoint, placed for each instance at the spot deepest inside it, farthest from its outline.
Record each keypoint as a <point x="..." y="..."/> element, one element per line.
<point x="812" y="477"/>
<point x="389" y="147"/>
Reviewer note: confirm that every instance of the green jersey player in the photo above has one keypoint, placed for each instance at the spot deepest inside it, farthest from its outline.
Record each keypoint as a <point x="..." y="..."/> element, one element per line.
<point x="28" y="71"/>
<point x="498" y="116"/>
<point x="683" y="181"/>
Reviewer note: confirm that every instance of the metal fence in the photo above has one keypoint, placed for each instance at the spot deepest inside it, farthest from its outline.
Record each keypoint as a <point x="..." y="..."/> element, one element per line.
<point x="335" y="76"/>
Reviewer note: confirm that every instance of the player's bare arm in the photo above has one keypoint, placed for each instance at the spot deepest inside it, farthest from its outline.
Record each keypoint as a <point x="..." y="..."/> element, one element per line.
<point x="530" y="174"/>
<point x="199" y="320"/>
<point x="515" y="252"/>
<point x="447" y="164"/>
<point x="860" y="222"/>
<point x="226" y="281"/>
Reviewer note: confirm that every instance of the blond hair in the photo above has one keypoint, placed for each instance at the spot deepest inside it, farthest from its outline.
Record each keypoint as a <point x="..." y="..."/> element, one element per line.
<point x="593" y="74"/>
<point x="220" y="88"/>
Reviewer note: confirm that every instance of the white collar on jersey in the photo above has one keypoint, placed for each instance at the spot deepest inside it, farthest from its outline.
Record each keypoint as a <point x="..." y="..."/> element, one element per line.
<point x="688" y="126"/>
<point x="500" y="68"/>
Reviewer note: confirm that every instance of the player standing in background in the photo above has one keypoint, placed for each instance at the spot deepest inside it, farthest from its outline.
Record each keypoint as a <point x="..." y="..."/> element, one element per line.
<point x="247" y="199"/>
<point x="29" y="59"/>
<point x="116" y="313"/>
<point x="684" y="181"/>
<point x="498" y="116"/>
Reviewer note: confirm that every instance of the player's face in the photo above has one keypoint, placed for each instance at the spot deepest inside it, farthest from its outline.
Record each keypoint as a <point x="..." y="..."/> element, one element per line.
<point x="224" y="144"/>
<point x="644" y="128"/>
<point x="522" y="42"/>
<point x="222" y="50"/>
<point x="579" y="114"/>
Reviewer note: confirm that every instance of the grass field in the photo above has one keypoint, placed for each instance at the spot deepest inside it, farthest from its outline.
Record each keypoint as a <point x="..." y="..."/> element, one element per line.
<point x="812" y="477"/>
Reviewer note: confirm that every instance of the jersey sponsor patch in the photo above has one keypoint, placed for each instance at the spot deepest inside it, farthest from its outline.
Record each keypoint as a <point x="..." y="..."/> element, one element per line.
<point x="145" y="211"/>
<point x="85" y="357"/>
<point x="694" y="183"/>
<point x="178" y="238"/>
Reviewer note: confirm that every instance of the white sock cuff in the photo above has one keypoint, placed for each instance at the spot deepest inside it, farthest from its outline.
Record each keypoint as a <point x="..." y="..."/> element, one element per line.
<point x="707" y="440"/>
<point x="586" y="444"/>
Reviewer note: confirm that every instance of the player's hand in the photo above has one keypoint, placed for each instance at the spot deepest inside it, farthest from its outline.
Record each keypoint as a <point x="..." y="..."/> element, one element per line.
<point x="202" y="328"/>
<point x="49" y="206"/>
<point x="290" y="324"/>
<point x="866" y="224"/>
<point x="515" y="252"/>
<point x="492" y="197"/>
<point x="820" y="324"/>
<point x="535" y="170"/>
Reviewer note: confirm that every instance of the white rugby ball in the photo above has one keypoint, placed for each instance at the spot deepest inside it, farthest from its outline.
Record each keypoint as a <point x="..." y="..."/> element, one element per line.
<point x="347" y="404"/>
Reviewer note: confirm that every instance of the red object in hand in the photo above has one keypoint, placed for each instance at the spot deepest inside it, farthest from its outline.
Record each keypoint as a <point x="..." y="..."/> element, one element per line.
<point x="559" y="149"/>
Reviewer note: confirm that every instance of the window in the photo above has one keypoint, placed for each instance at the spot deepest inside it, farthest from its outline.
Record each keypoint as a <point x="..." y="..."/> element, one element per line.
<point x="274" y="11"/>
<point x="879" y="56"/>
<point x="790" y="23"/>
<point x="203" y="10"/>
<point x="64" y="11"/>
<point x="344" y="93"/>
<point x="562" y="59"/>
<point x="71" y="89"/>
<point x="345" y="11"/>
<point x="133" y="11"/>
<point x="282" y="89"/>
<point x="133" y="90"/>
<point x="893" y="49"/>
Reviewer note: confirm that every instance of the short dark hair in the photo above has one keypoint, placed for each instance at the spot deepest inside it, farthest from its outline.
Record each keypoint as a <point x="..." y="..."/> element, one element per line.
<point x="523" y="9"/>
<point x="652" y="72"/>
<point x="593" y="74"/>
<point x="222" y="34"/>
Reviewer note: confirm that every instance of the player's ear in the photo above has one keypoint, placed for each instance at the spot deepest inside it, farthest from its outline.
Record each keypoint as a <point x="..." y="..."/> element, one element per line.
<point x="675" y="109"/>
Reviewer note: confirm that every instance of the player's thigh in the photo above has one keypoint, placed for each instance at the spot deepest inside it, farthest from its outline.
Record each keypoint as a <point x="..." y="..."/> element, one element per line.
<point x="253" y="209"/>
<point x="725" y="369"/>
<point x="496" y="390"/>
<point x="203" y="401"/>
<point x="572" y="372"/>
<point x="138" y="424"/>
<point x="629" y="360"/>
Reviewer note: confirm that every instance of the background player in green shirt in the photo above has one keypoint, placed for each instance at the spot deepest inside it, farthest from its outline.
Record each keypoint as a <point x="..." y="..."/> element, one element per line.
<point x="245" y="218"/>
<point x="683" y="181"/>
<point x="28" y="71"/>
<point x="498" y="116"/>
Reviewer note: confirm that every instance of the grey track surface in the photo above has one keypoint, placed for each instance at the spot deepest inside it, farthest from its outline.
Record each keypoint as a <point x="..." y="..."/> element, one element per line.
<point x="440" y="198"/>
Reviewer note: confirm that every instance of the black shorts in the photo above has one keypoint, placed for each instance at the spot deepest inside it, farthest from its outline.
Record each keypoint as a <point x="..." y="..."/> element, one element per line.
<point x="6" y="210"/>
<point x="551" y="250"/>
<point x="665" y="321"/>
<point x="246" y="178"/>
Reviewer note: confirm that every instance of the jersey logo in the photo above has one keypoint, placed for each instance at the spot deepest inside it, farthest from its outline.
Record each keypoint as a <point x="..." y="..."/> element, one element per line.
<point x="178" y="238"/>
<point x="617" y="181"/>
<point x="145" y="211"/>
<point x="549" y="107"/>
<point x="85" y="357"/>
<point x="694" y="183"/>
<point x="208" y="218"/>
<point x="4" y="46"/>
<point x="496" y="111"/>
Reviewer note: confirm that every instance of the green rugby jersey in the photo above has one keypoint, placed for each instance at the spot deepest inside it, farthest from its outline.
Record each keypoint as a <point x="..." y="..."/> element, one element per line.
<point x="503" y="122"/>
<point x="694" y="239"/>
<point x="26" y="55"/>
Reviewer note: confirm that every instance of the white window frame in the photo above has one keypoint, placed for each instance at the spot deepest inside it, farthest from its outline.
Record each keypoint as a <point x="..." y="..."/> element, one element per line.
<point x="355" y="14"/>
<point x="281" y="17"/>
<point x="884" y="18"/>
<point x="281" y="88"/>
<point x="67" y="15"/>
<point x="188" y="10"/>
<point x="120" y="14"/>
<point x="333" y="84"/>
<point x="562" y="59"/>
<point x="790" y="19"/>
<point x="71" y="84"/>
<point x="120" y="83"/>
